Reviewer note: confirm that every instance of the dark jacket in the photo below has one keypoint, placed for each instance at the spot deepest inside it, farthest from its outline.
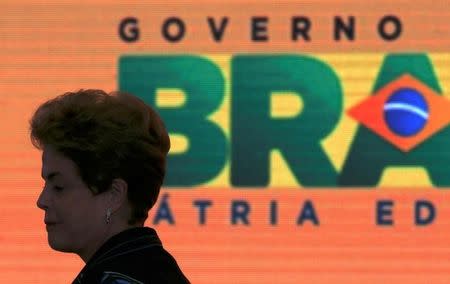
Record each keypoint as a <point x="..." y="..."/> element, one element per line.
<point x="133" y="256"/>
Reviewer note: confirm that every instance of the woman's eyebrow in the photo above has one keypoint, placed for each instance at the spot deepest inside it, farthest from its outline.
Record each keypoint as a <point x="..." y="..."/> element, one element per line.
<point x="50" y="175"/>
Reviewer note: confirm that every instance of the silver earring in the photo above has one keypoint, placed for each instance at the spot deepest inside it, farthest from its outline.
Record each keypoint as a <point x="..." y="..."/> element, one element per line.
<point x="108" y="216"/>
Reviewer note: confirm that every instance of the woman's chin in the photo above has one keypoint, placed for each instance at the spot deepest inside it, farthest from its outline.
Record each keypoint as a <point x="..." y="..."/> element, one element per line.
<point x="58" y="243"/>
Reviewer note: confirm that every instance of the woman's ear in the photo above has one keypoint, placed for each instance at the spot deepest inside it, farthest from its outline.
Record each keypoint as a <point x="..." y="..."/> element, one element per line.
<point x="118" y="194"/>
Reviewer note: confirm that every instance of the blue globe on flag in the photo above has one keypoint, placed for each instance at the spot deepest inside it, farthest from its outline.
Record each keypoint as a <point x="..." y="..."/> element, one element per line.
<point x="406" y="112"/>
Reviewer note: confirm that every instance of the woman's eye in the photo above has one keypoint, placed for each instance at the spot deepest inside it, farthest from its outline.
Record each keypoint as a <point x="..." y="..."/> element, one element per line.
<point x="58" y="188"/>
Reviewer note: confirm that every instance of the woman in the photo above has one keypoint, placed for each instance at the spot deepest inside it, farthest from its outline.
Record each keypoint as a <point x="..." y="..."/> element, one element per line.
<point x="103" y="162"/>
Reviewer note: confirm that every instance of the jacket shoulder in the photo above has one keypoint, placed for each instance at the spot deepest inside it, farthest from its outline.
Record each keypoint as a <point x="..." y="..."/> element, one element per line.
<point x="150" y="265"/>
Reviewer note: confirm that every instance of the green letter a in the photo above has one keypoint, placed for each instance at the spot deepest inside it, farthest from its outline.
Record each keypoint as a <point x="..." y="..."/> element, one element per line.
<point x="370" y="154"/>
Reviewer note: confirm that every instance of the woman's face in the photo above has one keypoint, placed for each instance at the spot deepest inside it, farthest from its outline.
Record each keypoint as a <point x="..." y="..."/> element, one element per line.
<point x="74" y="217"/>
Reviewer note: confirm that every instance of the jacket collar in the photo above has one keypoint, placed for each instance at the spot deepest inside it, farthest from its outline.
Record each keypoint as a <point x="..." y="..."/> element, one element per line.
<point x="124" y="242"/>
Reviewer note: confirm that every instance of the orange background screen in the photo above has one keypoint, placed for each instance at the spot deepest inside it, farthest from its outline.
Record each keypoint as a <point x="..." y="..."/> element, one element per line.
<point x="50" y="47"/>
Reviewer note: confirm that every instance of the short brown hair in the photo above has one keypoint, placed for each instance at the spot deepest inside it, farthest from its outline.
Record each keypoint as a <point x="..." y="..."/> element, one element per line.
<point x="108" y="136"/>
